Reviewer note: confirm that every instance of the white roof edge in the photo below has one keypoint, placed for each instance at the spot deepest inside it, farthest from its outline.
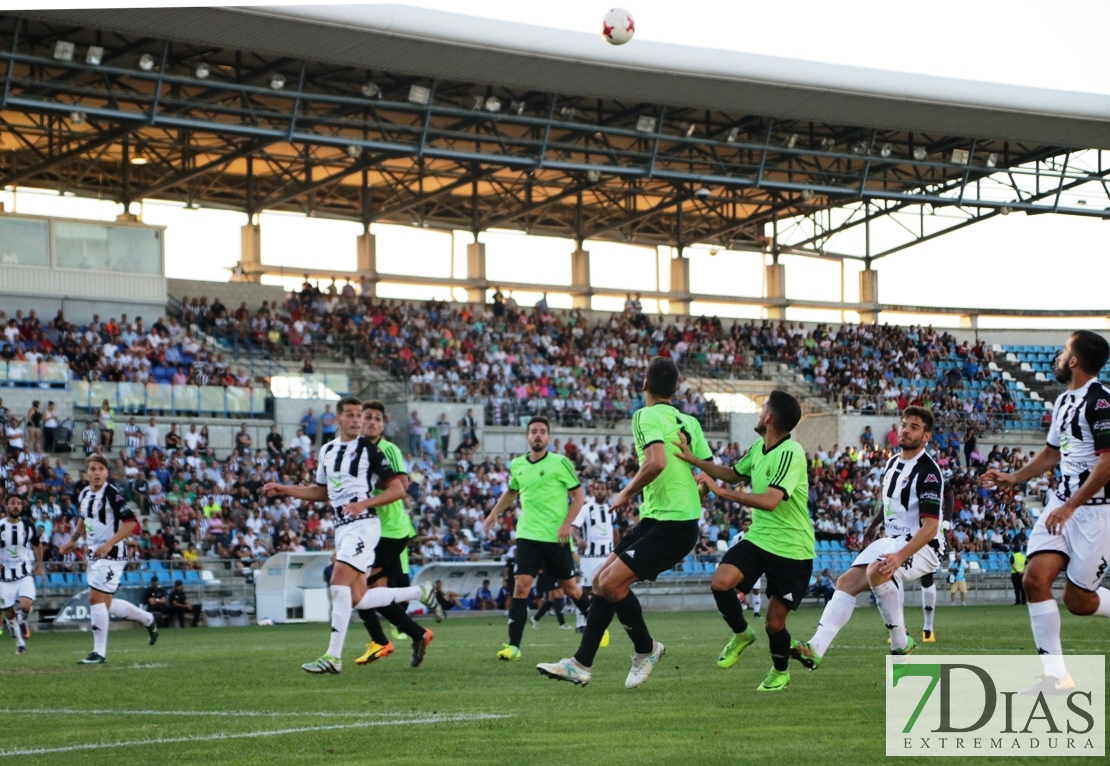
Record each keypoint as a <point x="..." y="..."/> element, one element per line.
<point x="666" y="58"/>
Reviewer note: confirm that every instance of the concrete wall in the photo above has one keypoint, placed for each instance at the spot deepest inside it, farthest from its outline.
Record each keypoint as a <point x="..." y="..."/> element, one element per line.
<point x="80" y="310"/>
<point x="230" y="293"/>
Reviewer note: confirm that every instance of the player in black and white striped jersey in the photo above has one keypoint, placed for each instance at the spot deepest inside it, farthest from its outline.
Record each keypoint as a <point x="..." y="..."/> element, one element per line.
<point x="20" y="561"/>
<point x="133" y="434"/>
<point x="1072" y="534"/>
<point x="105" y="519"/>
<point x="351" y="468"/>
<point x="595" y="532"/>
<point x="913" y="486"/>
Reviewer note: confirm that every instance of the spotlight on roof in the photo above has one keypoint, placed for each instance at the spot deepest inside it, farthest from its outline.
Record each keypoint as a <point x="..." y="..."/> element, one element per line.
<point x="493" y="105"/>
<point x="733" y="134"/>
<point x="146" y="62"/>
<point x="688" y="129"/>
<point x="960" y="156"/>
<point x="828" y="143"/>
<point x="593" y="176"/>
<point x="790" y="142"/>
<point x="1005" y="210"/>
<point x="63" y="51"/>
<point x="859" y="148"/>
<point x="517" y="108"/>
<point x="702" y="192"/>
<point x="139" y="159"/>
<point x="354" y="151"/>
<point x="202" y="71"/>
<point x="807" y="194"/>
<point x="77" y="118"/>
<point x="277" y="81"/>
<point x="645" y="124"/>
<point x="919" y="153"/>
<point x="418" y="94"/>
<point x="94" y="55"/>
<point x="567" y="112"/>
<point x="476" y="103"/>
<point x="992" y="160"/>
<point x="885" y="150"/>
<point x="371" y="90"/>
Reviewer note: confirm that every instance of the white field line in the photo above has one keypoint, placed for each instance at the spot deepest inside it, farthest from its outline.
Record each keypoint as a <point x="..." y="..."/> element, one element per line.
<point x="249" y="734"/>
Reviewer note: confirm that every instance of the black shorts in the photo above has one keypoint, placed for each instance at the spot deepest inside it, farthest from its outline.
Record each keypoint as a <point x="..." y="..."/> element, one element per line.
<point x="387" y="555"/>
<point x="654" y="546"/>
<point x="787" y="579"/>
<point x="555" y="559"/>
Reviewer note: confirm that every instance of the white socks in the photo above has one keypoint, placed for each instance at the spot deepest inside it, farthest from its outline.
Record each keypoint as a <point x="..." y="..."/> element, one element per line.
<point x="1045" y="618"/>
<point x="836" y="615"/>
<point x="756" y="600"/>
<point x="929" y="605"/>
<point x="340" y="618"/>
<point x="889" y="598"/>
<point x="1103" y="603"/>
<point x="99" y="618"/>
<point x="128" y="611"/>
<point x="19" y="620"/>
<point x="378" y="597"/>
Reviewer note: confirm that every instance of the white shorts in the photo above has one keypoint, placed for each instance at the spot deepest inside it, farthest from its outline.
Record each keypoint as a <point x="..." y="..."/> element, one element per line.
<point x="924" y="562"/>
<point x="104" y="574"/>
<point x="760" y="584"/>
<point x="11" y="592"/>
<point x="589" y="566"/>
<point x="355" y="543"/>
<point x="1085" y="541"/>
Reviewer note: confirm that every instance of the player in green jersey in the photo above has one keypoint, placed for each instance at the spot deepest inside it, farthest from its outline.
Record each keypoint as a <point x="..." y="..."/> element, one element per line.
<point x="542" y="480"/>
<point x="667" y="532"/>
<point x="388" y="568"/>
<point x="780" y="542"/>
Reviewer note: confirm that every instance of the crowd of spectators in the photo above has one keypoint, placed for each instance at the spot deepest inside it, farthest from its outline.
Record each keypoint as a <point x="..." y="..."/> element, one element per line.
<point x="518" y="363"/>
<point x="521" y="362"/>
<point x="874" y="369"/>
<point x="117" y="351"/>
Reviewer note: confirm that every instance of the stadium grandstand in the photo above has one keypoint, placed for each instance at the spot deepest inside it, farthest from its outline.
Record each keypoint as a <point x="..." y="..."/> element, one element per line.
<point x="201" y="392"/>
<point x="231" y="108"/>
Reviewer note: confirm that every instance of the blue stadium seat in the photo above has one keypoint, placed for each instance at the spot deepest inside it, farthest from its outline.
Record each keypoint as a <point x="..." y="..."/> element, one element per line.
<point x="191" y="577"/>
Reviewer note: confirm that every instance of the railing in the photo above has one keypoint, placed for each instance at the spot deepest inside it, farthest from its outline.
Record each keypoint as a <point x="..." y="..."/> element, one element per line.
<point x="31" y="374"/>
<point x="169" y="399"/>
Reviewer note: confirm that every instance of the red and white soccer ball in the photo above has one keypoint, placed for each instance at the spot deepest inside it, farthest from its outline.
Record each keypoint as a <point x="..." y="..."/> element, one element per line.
<point x="618" y="26"/>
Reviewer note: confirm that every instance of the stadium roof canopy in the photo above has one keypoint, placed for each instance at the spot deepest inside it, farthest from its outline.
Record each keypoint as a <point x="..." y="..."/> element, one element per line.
<point x="402" y="115"/>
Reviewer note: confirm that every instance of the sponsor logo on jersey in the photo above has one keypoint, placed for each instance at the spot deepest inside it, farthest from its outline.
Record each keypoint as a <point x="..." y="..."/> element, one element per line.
<point x="1102" y="404"/>
<point x="931" y="478"/>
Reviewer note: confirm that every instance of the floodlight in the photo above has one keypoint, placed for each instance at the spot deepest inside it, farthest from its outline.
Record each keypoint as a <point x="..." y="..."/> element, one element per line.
<point x="645" y="124"/>
<point x="277" y="81"/>
<point x="63" y="51"/>
<point x="146" y="62"/>
<point x="919" y="153"/>
<point x="371" y="90"/>
<point x="992" y="160"/>
<point x="493" y="105"/>
<point x="94" y="55"/>
<point x="202" y="71"/>
<point x="885" y="150"/>
<point x="418" y="94"/>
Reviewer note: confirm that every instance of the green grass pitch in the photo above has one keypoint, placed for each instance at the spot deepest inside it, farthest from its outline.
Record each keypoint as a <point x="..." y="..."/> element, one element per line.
<point x="238" y="695"/>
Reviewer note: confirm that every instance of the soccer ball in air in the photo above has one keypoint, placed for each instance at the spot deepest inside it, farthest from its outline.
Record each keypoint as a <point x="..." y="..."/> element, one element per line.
<point x="618" y="26"/>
